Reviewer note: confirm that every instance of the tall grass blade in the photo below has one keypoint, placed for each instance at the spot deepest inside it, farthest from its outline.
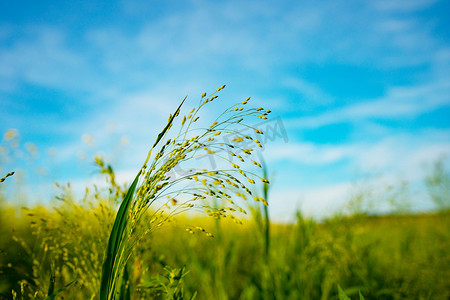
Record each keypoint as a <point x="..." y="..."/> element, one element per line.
<point x="266" y="208"/>
<point x="54" y="294"/>
<point x="161" y="134"/>
<point x="125" y="292"/>
<point x="115" y="238"/>
<point x="342" y="295"/>
<point x="51" y="286"/>
<point x="111" y="267"/>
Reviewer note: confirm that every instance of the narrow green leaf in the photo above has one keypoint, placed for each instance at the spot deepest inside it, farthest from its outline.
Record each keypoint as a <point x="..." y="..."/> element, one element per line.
<point x="125" y="292"/>
<point x="114" y="241"/>
<point x="51" y="285"/>
<point x="361" y="297"/>
<point x="161" y="134"/>
<point x="342" y="295"/>
<point x="54" y="294"/>
<point x="193" y="295"/>
<point x="266" y="209"/>
<point x="107" y="287"/>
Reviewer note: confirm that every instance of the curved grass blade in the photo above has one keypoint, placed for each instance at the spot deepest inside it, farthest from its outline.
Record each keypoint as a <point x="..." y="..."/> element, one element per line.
<point x="161" y="134"/>
<point x="125" y="292"/>
<point x="51" y="286"/>
<point x="54" y="294"/>
<point x="342" y="295"/>
<point x="110" y="265"/>
<point x="361" y="297"/>
<point x="115" y="239"/>
<point x="266" y="209"/>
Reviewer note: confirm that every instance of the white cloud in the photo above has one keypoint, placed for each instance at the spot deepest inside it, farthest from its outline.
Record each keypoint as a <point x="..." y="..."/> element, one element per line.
<point x="380" y="165"/>
<point x="397" y="155"/>
<point x="398" y="102"/>
<point x="308" y="153"/>
<point x="211" y="37"/>
<point x="310" y="93"/>
<point x="316" y="202"/>
<point x="41" y="56"/>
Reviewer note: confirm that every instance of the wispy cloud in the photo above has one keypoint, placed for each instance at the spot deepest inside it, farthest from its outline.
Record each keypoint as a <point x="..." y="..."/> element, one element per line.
<point x="239" y="34"/>
<point x="42" y="56"/>
<point x="398" y="102"/>
<point x="317" y="202"/>
<point x="311" y="94"/>
<point x="396" y="155"/>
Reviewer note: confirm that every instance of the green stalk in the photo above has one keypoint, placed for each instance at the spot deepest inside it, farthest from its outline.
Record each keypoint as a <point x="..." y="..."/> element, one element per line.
<point x="110" y="266"/>
<point x="266" y="209"/>
<point x="116" y="259"/>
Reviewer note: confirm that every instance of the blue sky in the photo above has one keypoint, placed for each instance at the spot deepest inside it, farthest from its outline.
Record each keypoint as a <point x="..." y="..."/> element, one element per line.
<point x="362" y="88"/>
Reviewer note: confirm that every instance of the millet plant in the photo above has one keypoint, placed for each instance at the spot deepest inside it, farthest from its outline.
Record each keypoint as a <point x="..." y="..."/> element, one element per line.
<point x="191" y="190"/>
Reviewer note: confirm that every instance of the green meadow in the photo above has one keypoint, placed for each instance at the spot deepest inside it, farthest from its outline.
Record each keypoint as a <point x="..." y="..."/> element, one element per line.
<point x="385" y="257"/>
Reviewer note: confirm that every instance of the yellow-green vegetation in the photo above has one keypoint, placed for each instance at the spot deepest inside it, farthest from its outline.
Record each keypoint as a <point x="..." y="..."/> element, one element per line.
<point x="390" y="257"/>
<point x="121" y="242"/>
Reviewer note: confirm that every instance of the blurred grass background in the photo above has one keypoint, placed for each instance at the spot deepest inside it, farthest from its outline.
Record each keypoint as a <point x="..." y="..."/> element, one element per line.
<point x="384" y="257"/>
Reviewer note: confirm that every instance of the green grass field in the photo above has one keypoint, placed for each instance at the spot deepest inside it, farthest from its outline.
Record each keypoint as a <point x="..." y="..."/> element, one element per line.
<point x="390" y="257"/>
